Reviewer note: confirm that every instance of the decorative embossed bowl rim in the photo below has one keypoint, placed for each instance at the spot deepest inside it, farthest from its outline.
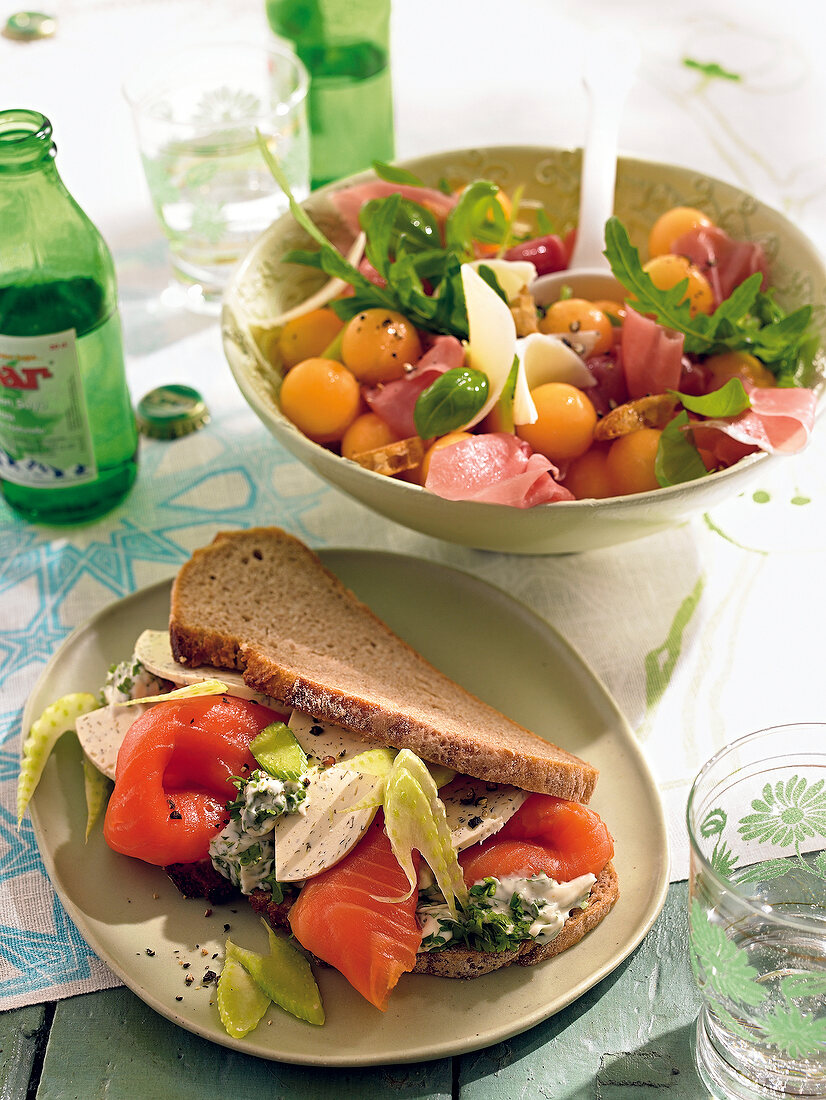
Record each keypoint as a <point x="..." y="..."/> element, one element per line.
<point x="263" y="288"/>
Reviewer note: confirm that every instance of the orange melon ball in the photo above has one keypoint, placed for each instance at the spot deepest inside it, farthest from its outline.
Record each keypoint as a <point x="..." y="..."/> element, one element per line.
<point x="565" y="425"/>
<point x="437" y="445"/>
<point x="367" y="432"/>
<point x="308" y="336"/>
<point x="630" y="462"/>
<point x="377" y="345"/>
<point x="739" y="364"/>
<point x="667" y="270"/>
<point x="321" y="397"/>
<point x="587" y="476"/>
<point x="571" y="316"/>
<point x="673" y="224"/>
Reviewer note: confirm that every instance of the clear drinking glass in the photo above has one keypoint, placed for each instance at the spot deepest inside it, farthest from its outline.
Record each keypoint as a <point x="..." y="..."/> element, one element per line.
<point x="757" y="914"/>
<point x="197" y="112"/>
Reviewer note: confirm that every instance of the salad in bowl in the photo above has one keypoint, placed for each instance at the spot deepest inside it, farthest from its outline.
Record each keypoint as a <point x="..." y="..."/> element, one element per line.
<point x="426" y="356"/>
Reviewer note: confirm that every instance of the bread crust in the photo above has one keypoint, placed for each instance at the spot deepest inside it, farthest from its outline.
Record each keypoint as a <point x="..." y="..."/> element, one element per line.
<point x="462" y="962"/>
<point x="260" y="602"/>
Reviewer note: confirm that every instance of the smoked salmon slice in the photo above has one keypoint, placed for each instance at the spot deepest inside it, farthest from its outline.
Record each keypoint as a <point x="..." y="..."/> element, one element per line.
<point x="546" y="834"/>
<point x="341" y="916"/>
<point x="173" y="774"/>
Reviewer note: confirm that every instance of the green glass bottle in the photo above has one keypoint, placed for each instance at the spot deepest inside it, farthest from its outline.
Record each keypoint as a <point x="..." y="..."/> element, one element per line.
<point x="68" y="438"/>
<point x="345" y="46"/>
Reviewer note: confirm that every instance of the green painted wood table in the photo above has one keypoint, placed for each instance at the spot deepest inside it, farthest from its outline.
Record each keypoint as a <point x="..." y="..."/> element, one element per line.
<point x="630" y="1037"/>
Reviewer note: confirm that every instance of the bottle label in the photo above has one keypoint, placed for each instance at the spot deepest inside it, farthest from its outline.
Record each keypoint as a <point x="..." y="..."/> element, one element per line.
<point x="45" y="441"/>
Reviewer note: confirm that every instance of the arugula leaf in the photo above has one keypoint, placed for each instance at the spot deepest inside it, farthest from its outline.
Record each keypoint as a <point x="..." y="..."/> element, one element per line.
<point x="449" y="402"/>
<point x="488" y="275"/>
<point x="678" y="459"/>
<point x="711" y="68"/>
<point x="729" y="400"/>
<point x="392" y="174"/>
<point x="378" y="220"/>
<point x="748" y="320"/>
<point x="543" y="223"/>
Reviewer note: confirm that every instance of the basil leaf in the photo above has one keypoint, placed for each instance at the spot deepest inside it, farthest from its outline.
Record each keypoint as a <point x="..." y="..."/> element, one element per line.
<point x="451" y="401"/>
<point x="729" y="400"/>
<point x="392" y="174"/>
<point x="678" y="459"/>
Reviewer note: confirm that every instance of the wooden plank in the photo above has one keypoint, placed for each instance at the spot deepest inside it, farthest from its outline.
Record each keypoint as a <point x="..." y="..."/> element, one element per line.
<point x="627" y="1038"/>
<point x="110" y="1045"/>
<point x="22" y="1035"/>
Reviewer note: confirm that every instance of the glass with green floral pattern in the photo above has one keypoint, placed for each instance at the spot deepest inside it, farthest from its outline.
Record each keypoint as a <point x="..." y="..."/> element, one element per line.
<point x="757" y="914"/>
<point x="200" y="115"/>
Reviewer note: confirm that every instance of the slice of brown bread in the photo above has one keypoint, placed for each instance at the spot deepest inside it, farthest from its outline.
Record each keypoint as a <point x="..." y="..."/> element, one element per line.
<point x="261" y="602"/>
<point x="461" y="962"/>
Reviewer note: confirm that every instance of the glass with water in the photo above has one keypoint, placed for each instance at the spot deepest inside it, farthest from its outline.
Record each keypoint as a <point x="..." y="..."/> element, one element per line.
<point x="757" y="914"/>
<point x="198" y="114"/>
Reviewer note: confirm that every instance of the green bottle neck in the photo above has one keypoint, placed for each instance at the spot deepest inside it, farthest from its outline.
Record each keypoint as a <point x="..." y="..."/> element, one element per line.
<point x="26" y="144"/>
<point x="55" y="269"/>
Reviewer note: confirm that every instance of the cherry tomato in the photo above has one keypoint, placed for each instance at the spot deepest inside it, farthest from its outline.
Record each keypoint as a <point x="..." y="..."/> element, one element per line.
<point x="547" y="254"/>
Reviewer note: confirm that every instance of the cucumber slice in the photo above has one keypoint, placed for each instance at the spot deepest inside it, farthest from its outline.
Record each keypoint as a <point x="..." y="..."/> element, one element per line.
<point x="97" y="787"/>
<point x="277" y="751"/>
<point x="43" y="736"/>
<point x="241" y="1001"/>
<point x="284" y="975"/>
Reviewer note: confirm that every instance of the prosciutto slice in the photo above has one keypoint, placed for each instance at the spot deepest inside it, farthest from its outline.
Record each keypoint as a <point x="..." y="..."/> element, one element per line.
<point x="349" y="201"/>
<point x="395" y="401"/>
<point x="496" y="468"/>
<point x="726" y="263"/>
<point x="652" y="356"/>
<point x="780" y="420"/>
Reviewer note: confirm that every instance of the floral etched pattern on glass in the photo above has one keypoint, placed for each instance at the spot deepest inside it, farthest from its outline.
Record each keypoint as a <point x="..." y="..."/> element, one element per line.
<point x="757" y="917"/>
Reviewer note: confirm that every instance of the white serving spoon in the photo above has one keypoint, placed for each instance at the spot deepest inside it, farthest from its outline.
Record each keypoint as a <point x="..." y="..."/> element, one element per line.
<point x="610" y="70"/>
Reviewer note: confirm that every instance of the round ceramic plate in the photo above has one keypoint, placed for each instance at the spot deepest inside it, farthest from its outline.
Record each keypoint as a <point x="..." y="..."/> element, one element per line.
<point x="496" y="648"/>
<point x="263" y="287"/>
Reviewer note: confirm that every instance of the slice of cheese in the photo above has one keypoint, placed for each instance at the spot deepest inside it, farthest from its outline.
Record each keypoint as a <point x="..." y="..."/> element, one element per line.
<point x="512" y="275"/>
<point x="491" y="342"/>
<point x="153" y="651"/>
<point x="321" y="741"/>
<point x="101" y="732"/>
<point x="309" y="842"/>
<point x="475" y="812"/>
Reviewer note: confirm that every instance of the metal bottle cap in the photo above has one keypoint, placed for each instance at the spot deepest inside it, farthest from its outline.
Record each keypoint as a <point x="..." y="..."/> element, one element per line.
<point x="26" y="26"/>
<point x="169" y="412"/>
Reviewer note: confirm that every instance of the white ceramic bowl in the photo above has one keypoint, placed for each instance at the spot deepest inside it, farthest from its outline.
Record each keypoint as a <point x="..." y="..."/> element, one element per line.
<point x="262" y="288"/>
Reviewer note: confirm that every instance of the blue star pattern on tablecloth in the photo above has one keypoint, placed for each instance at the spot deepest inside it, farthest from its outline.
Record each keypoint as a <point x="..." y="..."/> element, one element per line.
<point x="230" y="475"/>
